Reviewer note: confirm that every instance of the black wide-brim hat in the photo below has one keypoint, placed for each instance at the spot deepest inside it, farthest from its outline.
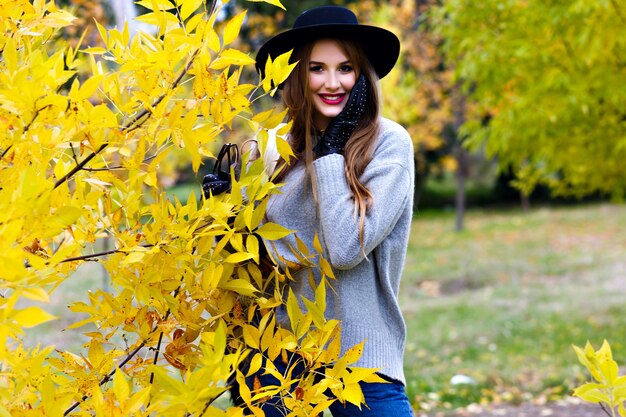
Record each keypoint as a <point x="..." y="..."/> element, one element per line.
<point x="381" y="46"/>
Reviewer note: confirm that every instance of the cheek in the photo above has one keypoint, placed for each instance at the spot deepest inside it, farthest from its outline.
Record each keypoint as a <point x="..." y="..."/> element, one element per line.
<point x="349" y="81"/>
<point x="315" y="83"/>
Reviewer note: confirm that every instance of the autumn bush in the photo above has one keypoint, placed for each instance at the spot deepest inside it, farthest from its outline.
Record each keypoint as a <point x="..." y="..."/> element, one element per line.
<point x="85" y="135"/>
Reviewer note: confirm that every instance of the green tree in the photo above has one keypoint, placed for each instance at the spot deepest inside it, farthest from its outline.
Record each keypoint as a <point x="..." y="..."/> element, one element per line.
<point x="546" y="77"/>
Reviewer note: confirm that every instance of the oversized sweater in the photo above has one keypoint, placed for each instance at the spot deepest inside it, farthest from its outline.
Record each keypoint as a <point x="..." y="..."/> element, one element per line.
<point x="364" y="296"/>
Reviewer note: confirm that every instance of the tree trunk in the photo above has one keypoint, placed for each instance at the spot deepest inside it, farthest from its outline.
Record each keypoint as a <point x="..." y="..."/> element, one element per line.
<point x="462" y="157"/>
<point x="125" y="11"/>
<point x="461" y="177"/>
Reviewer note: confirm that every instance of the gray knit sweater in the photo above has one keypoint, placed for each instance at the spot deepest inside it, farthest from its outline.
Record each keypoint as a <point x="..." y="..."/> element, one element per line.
<point x="365" y="293"/>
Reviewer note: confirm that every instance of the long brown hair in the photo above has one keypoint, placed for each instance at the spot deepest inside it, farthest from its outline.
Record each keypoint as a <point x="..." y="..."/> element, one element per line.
<point x="359" y="148"/>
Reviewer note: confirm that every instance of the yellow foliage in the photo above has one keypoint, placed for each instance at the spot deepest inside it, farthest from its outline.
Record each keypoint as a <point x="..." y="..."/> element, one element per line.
<point x="87" y="139"/>
<point x="609" y="389"/>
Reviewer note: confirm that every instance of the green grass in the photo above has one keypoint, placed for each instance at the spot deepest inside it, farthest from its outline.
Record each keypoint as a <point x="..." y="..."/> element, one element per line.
<point x="504" y="300"/>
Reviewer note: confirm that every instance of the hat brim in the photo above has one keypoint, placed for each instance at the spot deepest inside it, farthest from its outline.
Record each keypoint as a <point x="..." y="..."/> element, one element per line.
<point x="381" y="46"/>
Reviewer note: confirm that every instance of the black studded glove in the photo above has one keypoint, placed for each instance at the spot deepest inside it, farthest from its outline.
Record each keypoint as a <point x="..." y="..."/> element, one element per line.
<point x="341" y="127"/>
<point x="219" y="181"/>
<point x="214" y="184"/>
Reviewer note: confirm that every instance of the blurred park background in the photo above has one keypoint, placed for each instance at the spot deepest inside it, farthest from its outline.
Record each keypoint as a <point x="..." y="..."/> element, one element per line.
<point x="516" y="109"/>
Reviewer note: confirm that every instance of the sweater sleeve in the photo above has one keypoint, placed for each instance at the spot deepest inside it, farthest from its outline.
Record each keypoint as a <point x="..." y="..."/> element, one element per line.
<point x="389" y="179"/>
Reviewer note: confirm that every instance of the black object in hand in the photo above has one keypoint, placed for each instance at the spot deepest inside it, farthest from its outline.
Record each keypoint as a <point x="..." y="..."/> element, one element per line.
<point x="219" y="181"/>
<point x="341" y="127"/>
<point x="214" y="184"/>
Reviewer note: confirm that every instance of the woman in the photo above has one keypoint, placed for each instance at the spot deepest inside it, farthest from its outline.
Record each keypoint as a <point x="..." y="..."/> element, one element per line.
<point x="351" y="184"/>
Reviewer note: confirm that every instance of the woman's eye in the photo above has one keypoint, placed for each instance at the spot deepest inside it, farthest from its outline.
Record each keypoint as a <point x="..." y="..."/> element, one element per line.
<point x="315" y="68"/>
<point x="346" y="68"/>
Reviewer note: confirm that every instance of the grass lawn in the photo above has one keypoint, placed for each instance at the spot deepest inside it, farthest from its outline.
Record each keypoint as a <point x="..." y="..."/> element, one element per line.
<point x="503" y="301"/>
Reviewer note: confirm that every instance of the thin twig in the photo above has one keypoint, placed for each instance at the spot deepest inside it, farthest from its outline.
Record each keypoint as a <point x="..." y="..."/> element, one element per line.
<point x="117" y="166"/>
<point x="37" y="112"/>
<point x="108" y="377"/>
<point x="6" y="150"/>
<point x="95" y="255"/>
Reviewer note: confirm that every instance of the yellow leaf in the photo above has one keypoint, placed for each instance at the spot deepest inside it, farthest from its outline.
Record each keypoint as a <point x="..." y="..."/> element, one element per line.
<point x="252" y="245"/>
<point x="244" y="391"/>
<point x="231" y="57"/>
<point x="238" y="257"/>
<point x="334" y="347"/>
<point x="317" y="244"/>
<point x="134" y="257"/>
<point x="326" y="268"/>
<point x="36" y="294"/>
<point x="258" y="214"/>
<point x="89" y="87"/>
<point x="240" y="286"/>
<point x="362" y="374"/>
<point x="353" y="394"/>
<point x="32" y="316"/>
<point x="273" y="231"/>
<point x="213" y="40"/>
<point x="251" y="336"/>
<point x="255" y="364"/>
<point x="10" y="55"/>
<point x="276" y="3"/>
<point x="137" y="401"/>
<point x="120" y="386"/>
<point x="281" y="68"/>
<point x="231" y="31"/>
<point x="354" y="353"/>
<point x="592" y="393"/>
<point x="96" y="50"/>
<point x="95" y="353"/>
<point x="58" y="19"/>
<point x="284" y="149"/>
<point x="188" y="7"/>
<point x="63" y="217"/>
<point x="160" y="4"/>
<point x="211" y="276"/>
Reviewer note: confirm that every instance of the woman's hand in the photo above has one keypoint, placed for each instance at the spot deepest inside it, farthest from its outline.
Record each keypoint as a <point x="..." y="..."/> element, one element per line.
<point x="213" y="184"/>
<point x="341" y="127"/>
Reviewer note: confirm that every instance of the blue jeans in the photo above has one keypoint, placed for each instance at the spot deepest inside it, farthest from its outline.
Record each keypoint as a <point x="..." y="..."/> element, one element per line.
<point x="381" y="399"/>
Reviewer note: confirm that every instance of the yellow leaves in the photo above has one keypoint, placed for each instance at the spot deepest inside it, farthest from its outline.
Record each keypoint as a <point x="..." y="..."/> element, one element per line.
<point x="277" y="71"/>
<point x="609" y="388"/>
<point x="121" y="132"/>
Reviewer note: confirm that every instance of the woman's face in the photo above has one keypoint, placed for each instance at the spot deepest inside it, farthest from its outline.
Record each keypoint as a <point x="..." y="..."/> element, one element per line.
<point x="331" y="78"/>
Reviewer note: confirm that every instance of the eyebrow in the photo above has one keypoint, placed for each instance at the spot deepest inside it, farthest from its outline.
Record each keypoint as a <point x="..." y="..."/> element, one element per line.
<point x="322" y="63"/>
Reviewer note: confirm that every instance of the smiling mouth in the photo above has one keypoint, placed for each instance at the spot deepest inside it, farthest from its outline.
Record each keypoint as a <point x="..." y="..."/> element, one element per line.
<point x="332" y="98"/>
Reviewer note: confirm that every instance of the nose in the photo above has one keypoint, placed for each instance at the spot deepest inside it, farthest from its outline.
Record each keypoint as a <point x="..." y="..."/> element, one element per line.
<point x="332" y="80"/>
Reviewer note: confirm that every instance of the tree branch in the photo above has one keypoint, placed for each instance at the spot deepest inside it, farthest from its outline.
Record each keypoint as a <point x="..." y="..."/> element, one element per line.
<point x="109" y="376"/>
